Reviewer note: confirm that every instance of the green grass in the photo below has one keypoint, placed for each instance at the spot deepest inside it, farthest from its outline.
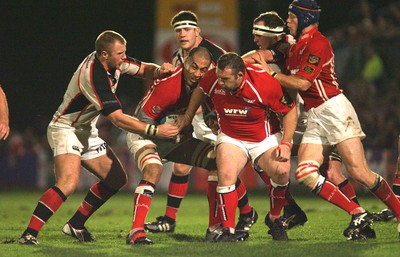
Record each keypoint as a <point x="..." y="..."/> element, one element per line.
<point x="321" y="236"/>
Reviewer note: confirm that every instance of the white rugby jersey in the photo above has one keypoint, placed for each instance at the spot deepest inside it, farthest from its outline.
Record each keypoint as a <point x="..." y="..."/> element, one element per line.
<point x="90" y="92"/>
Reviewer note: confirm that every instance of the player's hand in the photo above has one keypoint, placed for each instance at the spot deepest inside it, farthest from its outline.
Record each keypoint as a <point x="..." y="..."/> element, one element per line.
<point x="4" y="130"/>
<point x="259" y="59"/>
<point x="167" y="131"/>
<point x="263" y="55"/>
<point x="283" y="152"/>
<point x="166" y="69"/>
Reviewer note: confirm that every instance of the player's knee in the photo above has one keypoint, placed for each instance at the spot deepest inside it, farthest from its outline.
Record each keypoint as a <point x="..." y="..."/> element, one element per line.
<point x="307" y="173"/>
<point x="282" y="173"/>
<point x="181" y="169"/>
<point x="147" y="157"/>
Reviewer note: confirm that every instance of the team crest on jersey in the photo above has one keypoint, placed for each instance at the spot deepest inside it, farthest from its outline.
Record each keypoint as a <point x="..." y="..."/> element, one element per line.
<point x="249" y="101"/>
<point x="308" y="69"/>
<point x="313" y="59"/>
<point x="156" y="109"/>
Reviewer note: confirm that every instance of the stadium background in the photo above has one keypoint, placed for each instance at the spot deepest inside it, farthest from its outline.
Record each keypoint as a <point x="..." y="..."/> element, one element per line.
<point x="42" y="43"/>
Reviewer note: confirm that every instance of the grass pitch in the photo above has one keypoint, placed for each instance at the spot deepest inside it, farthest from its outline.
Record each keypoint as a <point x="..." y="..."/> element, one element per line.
<point x="321" y="236"/>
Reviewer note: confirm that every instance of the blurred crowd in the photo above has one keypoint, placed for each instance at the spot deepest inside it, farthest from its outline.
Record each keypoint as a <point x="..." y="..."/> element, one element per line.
<point x="367" y="63"/>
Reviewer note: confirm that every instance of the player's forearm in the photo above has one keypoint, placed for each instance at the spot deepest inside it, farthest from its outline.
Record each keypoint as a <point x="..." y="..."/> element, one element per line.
<point x="151" y="71"/>
<point x="127" y="122"/>
<point x="292" y="81"/>
<point x="289" y="125"/>
<point x="195" y="101"/>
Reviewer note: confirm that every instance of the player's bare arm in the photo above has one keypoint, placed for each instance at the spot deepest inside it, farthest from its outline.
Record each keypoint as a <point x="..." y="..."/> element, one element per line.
<point x="290" y="81"/>
<point x="289" y="123"/>
<point x="131" y="124"/>
<point x="153" y="71"/>
<point x="255" y="56"/>
<point x="195" y="101"/>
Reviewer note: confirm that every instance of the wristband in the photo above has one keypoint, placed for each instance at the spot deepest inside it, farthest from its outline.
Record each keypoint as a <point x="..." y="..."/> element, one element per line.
<point x="287" y="144"/>
<point x="151" y="130"/>
<point x="273" y="74"/>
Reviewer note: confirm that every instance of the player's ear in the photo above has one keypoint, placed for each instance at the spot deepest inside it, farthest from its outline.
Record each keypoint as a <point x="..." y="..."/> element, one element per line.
<point x="104" y="54"/>
<point x="198" y="30"/>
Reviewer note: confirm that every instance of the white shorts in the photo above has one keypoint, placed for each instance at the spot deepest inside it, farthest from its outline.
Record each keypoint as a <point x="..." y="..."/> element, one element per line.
<point x="136" y="142"/>
<point x="83" y="142"/>
<point x="202" y="131"/>
<point x="252" y="149"/>
<point x="332" y="122"/>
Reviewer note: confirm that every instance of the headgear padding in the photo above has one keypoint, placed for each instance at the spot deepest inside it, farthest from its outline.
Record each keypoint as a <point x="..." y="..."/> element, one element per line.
<point x="307" y="12"/>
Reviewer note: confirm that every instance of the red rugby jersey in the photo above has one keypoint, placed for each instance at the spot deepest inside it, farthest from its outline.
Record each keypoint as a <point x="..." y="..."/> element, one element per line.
<point x="165" y="96"/>
<point x="312" y="58"/>
<point x="245" y="114"/>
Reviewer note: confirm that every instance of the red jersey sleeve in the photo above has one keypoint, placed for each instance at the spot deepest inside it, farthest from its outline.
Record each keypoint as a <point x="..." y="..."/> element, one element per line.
<point x="315" y="55"/>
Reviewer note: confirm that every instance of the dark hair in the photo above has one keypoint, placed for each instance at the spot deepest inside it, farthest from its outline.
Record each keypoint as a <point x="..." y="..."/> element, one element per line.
<point x="184" y="16"/>
<point x="231" y="60"/>
<point x="106" y="40"/>
<point x="270" y="19"/>
<point x="202" y="51"/>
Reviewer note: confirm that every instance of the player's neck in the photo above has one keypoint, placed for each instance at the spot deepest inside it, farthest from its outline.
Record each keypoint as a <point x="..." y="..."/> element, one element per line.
<point x="185" y="53"/>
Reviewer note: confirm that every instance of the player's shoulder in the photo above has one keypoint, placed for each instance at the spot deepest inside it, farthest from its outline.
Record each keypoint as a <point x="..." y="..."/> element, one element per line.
<point x="209" y="79"/>
<point x="210" y="74"/>
<point x="319" y="40"/>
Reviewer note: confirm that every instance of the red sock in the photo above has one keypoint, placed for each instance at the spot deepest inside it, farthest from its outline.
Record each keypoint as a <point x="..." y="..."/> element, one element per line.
<point x="227" y="204"/>
<point x="213" y="217"/>
<point x="178" y="187"/>
<point x="396" y="184"/>
<point x="347" y="188"/>
<point x="263" y="175"/>
<point x="48" y="204"/>
<point x="277" y="199"/>
<point x="142" y="200"/>
<point x="331" y="193"/>
<point x="98" y="194"/>
<point x="385" y="194"/>
<point x="243" y="202"/>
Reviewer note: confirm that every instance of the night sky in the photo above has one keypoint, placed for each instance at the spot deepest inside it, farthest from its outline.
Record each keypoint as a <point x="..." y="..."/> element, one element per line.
<point x="42" y="43"/>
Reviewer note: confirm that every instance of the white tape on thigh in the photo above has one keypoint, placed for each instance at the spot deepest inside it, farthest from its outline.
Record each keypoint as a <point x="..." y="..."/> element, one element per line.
<point x="307" y="172"/>
<point x="147" y="157"/>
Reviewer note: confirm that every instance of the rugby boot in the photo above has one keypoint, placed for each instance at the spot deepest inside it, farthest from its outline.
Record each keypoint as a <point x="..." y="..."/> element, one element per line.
<point x="277" y="228"/>
<point x="162" y="224"/>
<point x="82" y="235"/>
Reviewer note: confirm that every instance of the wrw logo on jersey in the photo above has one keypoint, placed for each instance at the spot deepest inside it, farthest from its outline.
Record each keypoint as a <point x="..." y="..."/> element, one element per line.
<point x="236" y="112"/>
